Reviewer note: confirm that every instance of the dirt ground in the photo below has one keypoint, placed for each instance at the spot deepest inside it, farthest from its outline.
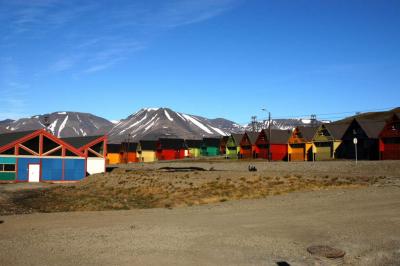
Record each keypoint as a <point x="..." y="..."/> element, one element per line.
<point x="363" y="222"/>
<point x="226" y="216"/>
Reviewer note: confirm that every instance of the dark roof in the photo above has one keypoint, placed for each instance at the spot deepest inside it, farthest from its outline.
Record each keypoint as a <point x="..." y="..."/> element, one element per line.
<point x="129" y="146"/>
<point x="149" y="145"/>
<point x="252" y="136"/>
<point x="169" y="143"/>
<point x="211" y="142"/>
<point x="278" y="136"/>
<point x="371" y="127"/>
<point x="308" y="133"/>
<point x="113" y="148"/>
<point x="337" y="130"/>
<point x="224" y="140"/>
<point x="8" y="138"/>
<point x="78" y="142"/>
<point x="237" y="138"/>
<point x="194" y="143"/>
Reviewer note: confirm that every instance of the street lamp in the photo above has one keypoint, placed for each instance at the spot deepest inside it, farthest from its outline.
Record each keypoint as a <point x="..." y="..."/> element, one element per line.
<point x="269" y="133"/>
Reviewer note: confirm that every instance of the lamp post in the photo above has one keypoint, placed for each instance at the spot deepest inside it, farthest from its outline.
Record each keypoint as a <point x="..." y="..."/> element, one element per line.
<point x="269" y="133"/>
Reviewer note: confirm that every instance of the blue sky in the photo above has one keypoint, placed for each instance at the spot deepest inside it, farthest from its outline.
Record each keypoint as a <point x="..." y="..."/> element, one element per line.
<point x="226" y="58"/>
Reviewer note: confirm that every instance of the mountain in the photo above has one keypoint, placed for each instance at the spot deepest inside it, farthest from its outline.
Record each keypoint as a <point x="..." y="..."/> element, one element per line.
<point x="283" y="124"/>
<point x="153" y="123"/>
<point x="384" y="115"/>
<point x="61" y="124"/>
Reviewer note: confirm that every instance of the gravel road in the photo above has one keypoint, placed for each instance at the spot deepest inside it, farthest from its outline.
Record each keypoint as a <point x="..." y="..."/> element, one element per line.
<point x="363" y="222"/>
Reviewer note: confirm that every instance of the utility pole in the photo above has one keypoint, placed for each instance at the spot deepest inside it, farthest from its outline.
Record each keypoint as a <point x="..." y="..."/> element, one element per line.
<point x="269" y="133"/>
<point x="269" y="129"/>
<point x="254" y="123"/>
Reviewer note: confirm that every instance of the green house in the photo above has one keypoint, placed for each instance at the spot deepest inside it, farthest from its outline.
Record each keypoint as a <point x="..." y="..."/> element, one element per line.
<point x="194" y="147"/>
<point x="233" y="146"/>
<point x="321" y="142"/>
<point x="211" y="147"/>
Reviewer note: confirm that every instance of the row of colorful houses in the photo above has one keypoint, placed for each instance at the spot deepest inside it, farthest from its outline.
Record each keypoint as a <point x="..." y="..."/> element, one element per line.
<point x="375" y="140"/>
<point x="36" y="156"/>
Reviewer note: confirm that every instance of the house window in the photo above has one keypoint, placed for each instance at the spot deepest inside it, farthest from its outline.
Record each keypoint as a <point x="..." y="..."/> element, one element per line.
<point x="7" y="167"/>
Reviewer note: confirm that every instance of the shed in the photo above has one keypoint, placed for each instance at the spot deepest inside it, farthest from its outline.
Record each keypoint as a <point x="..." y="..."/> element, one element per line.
<point x="129" y="152"/>
<point x="95" y="150"/>
<point x="262" y="144"/>
<point x="279" y="144"/>
<point x="308" y="133"/>
<point x="114" y="153"/>
<point x="171" y="149"/>
<point x="389" y="139"/>
<point x="297" y="146"/>
<point x="367" y="134"/>
<point x="211" y="147"/>
<point x="147" y="150"/>
<point x="337" y="131"/>
<point x="248" y="148"/>
<point x="233" y="146"/>
<point x="39" y="156"/>
<point x="194" y="147"/>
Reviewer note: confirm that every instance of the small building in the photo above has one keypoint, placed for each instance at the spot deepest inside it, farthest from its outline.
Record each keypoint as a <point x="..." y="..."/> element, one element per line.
<point x="367" y="134"/>
<point x="297" y="146"/>
<point x="95" y="150"/>
<point x="233" y="146"/>
<point x="194" y="147"/>
<point x="248" y="148"/>
<point x="389" y="139"/>
<point x="262" y="144"/>
<point x="114" y="154"/>
<point x="222" y="147"/>
<point x="39" y="156"/>
<point x="210" y="147"/>
<point x="171" y="149"/>
<point x="336" y="131"/>
<point x="147" y="150"/>
<point x="308" y="133"/>
<point x="278" y="142"/>
<point x="129" y="152"/>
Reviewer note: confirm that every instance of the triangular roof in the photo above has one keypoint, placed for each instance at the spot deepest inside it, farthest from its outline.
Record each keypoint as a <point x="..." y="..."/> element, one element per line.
<point x="278" y="136"/>
<point x="8" y="138"/>
<point x="252" y="137"/>
<point x="308" y="133"/>
<point x="371" y="127"/>
<point x="20" y="137"/>
<point x="337" y="130"/>
<point x="237" y="138"/>
<point x="79" y="142"/>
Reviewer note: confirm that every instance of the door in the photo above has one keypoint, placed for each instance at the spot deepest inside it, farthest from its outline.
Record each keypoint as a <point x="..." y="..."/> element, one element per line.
<point x="34" y="172"/>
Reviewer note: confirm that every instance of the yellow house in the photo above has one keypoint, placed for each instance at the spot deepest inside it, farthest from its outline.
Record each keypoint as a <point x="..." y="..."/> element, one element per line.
<point x="336" y="131"/>
<point x="146" y="151"/>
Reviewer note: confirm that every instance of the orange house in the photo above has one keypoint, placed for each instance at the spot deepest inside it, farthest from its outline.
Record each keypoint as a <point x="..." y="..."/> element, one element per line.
<point x="248" y="147"/>
<point x="297" y="146"/>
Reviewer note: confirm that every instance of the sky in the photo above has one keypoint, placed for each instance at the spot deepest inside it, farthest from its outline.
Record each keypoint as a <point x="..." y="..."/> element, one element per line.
<point x="214" y="58"/>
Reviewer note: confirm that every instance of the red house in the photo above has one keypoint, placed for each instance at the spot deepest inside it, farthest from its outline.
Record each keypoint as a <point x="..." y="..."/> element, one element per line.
<point x="389" y="139"/>
<point x="279" y="144"/>
<point x="248" y="148"/>
<point x="170" y="149"/>
<point x="262" y="144"/>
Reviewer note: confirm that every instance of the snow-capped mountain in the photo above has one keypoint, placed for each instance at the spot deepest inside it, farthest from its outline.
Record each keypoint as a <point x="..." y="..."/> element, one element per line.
<point x="284" y="124"/>
<point x="61" y="124"/>
<point x="152" y="123"/>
